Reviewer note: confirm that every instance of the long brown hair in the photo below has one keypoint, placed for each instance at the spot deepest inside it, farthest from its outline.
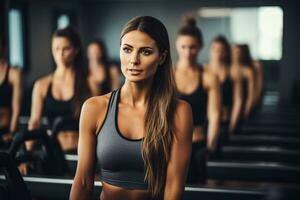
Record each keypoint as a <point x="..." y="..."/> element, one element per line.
<point x="159" y="128"/>
<point x="245" y="57"/>
<point x="81" y="89"/>
<point x="222" y="40"/>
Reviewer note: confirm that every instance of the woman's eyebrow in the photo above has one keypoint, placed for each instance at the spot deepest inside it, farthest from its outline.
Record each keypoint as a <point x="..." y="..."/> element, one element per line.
<point x="128" y="45"/>
<point x="146" y="47"/>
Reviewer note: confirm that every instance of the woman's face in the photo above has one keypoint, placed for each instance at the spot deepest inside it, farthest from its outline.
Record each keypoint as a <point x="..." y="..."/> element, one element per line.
<point x="187" y="47"/>
<point x="139" y="56"/>
<point x="94" y="52"/>
<point x="63" y="51"/>
<point x="217" y="51"/>
<point x="236" y="53"/>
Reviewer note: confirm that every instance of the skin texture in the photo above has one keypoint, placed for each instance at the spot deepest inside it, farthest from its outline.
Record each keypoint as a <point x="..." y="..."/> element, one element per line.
<point x="187" y="77"/>
<point x="217" y="66"/>
<point x="9" y="117"/>
<point x="259" y="81"/>
<point x="140" y="57"/>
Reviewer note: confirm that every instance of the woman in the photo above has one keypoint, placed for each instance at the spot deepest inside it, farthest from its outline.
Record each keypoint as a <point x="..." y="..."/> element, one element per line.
<point x="144" y="139"/>
<point x="62" y="92"/>
<point x="10" y="96"/>
<point x="230" y="83"/>
<point x="101" y="71"/>
<point x="243" y="65"/>
<point x="201" y="90"/>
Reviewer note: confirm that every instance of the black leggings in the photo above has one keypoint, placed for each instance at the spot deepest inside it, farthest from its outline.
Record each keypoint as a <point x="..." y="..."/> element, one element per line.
<point x="197" y="168"/>
<point x="3" y="131"/>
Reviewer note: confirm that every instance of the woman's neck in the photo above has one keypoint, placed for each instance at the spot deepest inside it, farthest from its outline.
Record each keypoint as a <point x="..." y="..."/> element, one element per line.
<point x="136" y="94"/>
<point x="185" y="64"/>
<point x="64" y="72"/>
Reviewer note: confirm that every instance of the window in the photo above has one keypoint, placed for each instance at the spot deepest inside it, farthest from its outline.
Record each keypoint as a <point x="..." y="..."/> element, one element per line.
<point x="16" y="40"/>
<point x="63" y="21"/>
<point x="259" y="27"/>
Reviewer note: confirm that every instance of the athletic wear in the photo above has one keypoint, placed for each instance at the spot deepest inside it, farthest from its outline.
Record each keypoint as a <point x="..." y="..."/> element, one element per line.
<point x="120" y="158"/>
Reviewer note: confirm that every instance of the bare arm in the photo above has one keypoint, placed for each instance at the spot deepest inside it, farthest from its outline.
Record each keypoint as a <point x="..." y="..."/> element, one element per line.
<point x="83" y="184"/>
<point x="37" y="101"/>
<point x="180" y="153"/>
<point x="251" y="95"/>
<point x="237" y="104"/>
<point x="259" y="82"/>
<point x="16" y="81"/>
<point x="214" y="112"/>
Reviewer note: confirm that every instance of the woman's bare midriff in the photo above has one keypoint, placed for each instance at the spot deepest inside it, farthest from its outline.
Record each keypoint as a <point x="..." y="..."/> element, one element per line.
<point x="110" y="192"/>
<point x="68" y="140"/>
<point x="4" y="117"/>
<point x="198" y="134"/>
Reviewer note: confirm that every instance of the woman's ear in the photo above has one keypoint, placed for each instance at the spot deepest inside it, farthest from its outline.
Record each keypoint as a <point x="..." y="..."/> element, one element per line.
<point x="163" y="57"/>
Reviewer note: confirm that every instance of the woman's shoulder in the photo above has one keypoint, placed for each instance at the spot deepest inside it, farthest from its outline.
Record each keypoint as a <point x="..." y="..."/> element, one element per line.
<point x="41" y="85"/>
<point x="183" y="108"/>
<point x="15" y="74"/>
<point x="44" y="80"/>
<point x="97" y="102"/>
<point x="210" y="79"/>
<point x="94" y="110"/>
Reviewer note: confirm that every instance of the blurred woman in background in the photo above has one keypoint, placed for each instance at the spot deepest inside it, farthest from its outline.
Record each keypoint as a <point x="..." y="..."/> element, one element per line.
<point x="10" y="96"/>
<point x="202" y="91"/>
<point x="99" y="78"/>
<point x="103" y="76"/>
<point x="243" y="66"/>
<point x="230" y="83"/>
<point x="62" y="92"/>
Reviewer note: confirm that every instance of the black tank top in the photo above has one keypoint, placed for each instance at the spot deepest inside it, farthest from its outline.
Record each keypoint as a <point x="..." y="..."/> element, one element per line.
<point x="227" y="92"/>
<point x="6" y="91"/>
<point x="54" y="108"/>
<point x="198" y="101"/>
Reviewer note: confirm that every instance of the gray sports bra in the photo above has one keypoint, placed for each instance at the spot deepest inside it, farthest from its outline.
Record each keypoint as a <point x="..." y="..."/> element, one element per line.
<point x="119" y="158"/>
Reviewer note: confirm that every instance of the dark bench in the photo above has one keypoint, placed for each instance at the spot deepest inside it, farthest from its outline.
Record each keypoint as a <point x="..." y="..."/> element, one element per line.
<point x="253" y="171"/>
<point x="264" y="140"/>
<point x="261" y="153"/>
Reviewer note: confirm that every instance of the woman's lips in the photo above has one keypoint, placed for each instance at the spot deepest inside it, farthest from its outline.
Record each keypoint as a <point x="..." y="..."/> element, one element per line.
<point x="134" y="71"/>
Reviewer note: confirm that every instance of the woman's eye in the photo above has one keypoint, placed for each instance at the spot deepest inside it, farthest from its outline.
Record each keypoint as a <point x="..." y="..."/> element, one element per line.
<point x="126" y="50"/>
<point x="146" y="52"/>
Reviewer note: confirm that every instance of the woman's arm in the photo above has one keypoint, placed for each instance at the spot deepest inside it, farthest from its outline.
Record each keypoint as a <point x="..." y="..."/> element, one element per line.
<point x="237" y="104"/>
<point x="259" y="81"/>
<point x="37" y="102"/>
<point x="91" y="119"/>
<point x="251" y="95"/>
<point x="15" y="79"/>
<point x="180" y="152"/>
<point x="213" y="111"/>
